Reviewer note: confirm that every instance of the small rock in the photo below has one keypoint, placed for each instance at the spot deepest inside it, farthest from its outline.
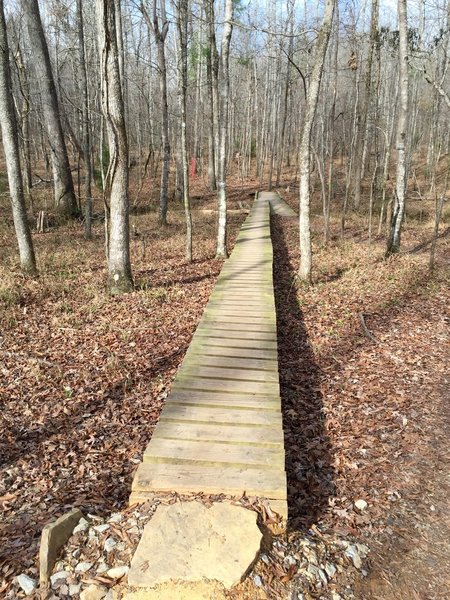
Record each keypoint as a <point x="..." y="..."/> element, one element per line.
<point x="115" y="518"/>
<point x="74" y="589"/>
<point x="361" y="505"/>
<point x="110" y="544"/>
<point x="76" y="553"/>
<point x="352" y="552"/>
<point x="82" y="567"/>
<point x="93" y="592"/>
<point x="82" y="526"/>
<point x="27" y="584"/>
<point x="330" y="570"/>
<point x="59" y="577"/>
<point x="92" y="533"/>
<point x="335" y="596"/>
<point x="118" y="572"/>
<point x="101" y="528"/>
<point x="102" y="568"/>
<point x="64" y="590"/>
<point x="265" y="559"/>
<point x="258" y="581"/>
<point x="289" y="560"/>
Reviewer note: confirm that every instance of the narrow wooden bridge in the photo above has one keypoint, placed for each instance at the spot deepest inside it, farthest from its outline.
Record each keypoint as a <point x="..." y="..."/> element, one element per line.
<point x="221" y="429"/>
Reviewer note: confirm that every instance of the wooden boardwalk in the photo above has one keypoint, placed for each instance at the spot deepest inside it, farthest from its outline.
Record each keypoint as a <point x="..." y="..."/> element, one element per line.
<point x="221" y="428"/>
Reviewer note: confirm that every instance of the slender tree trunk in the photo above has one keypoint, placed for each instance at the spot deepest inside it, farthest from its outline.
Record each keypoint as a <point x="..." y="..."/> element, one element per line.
<point x="305" y="142"/>
<point x="65" y="200"/>
<point x="116" y="179"/>
<point x="85" y="127"/>
<point x="182" y="15"/>
<point x="393" y="245"/>
<point x="10" y="139"/>
<point x="221" y="249"/>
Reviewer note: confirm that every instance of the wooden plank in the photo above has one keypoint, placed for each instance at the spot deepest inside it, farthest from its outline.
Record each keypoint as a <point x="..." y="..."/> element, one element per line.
<point x="231" y="334"/>
<point x="212" y="453"/>
<point x="199" y="398"/>
<point x="190" y="369"/>
<point x="230" y="325"/>
<point x="236" y="434"/>
<point x="219" y="415"/>
<point x="230" y="351"/>
<point x="226" y="386"/>
<point x="234" y="343"/>
<point x="234" y="481"/>
<point x="253" y="364"/>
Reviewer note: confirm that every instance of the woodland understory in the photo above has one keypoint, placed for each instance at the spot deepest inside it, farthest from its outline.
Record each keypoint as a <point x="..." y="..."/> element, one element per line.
<point x="84" y="375"/>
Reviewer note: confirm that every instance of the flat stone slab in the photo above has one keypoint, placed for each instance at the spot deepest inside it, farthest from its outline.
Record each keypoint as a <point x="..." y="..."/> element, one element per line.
<point x="189" y="542"/>
<point x="54" y="536"/>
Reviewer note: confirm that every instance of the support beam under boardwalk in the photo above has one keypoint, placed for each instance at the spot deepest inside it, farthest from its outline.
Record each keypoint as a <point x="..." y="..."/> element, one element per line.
<point x="221" y="429"/>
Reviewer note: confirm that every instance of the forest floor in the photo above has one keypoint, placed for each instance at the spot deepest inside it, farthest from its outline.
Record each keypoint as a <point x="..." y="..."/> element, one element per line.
<point x="84" y="377"/>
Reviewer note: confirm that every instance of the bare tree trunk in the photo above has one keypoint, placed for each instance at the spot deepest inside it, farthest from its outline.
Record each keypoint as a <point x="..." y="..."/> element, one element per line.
<point x="85" y="125"/>
<point x="393" y="245"/>
<point x="221" y="249"/>
<point x="10" y="139"/>
<point x="65" y="200"/>
<point x="25" y="125"/>
<point x="182" y="10"/>
<point x="305" y="142"/>
<point x="116" y="180"/>
<point x="209" y="13"/>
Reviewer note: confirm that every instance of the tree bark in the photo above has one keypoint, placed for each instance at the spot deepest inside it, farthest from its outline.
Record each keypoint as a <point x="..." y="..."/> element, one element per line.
<point x="85" y="127"/>
<point x="182" y="10"/>
<point x="305" y="142"/>
<point x="65" y="200"/>
<point x="10" y="139"/>
<point x="221" y="249"/>
<point x="393" y="245"/>
<point x="116" y="179"/>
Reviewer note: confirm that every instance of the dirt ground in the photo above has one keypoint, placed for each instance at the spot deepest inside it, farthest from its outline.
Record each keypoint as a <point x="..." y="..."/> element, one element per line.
<point x="84" y="377"/>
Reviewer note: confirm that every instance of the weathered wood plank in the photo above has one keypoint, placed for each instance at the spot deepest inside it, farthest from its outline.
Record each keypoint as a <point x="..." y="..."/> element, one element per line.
<point x="199" y="398"/>
<point x="237" y="434"/>
<point x="196" y="370"/>
<point x="212" y="453"/>
<point x="235" y="481"/>
<point x="227" y="386"/>
<point x="220" y="415"/>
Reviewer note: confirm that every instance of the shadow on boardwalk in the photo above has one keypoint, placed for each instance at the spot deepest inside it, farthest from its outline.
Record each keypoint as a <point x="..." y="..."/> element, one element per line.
<point x="308" y="458"/>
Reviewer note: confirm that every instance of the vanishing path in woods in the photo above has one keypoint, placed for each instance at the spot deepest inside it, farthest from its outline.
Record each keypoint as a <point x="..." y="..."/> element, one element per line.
<point x="221" y="429"/>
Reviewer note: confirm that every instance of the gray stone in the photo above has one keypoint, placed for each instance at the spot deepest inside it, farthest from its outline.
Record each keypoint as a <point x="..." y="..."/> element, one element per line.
<point x="83" y="525"/>
<point x="118" y="572"/>
<point x="74" y="589"/>
<point x="110" y="544"/>
<point x="101" y="528"/>
<point x="93" y="592"/>
<point x="27" y="584"/>
<point x="115" y="518"/>
<point x="83" y="567"/>
<point x="190" y="542"/>
<point x="54" y="536"/>
<point x="58" y="577"/>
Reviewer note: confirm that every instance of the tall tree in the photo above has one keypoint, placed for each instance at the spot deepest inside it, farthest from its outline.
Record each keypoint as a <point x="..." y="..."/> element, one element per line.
<point x="10" y="140"/>
<point x="85" y="126"/>
<point x="116" y="180"/>
<point x="160" y="30"/>
<point x="221" y="249"/>
<point x="182" y="21"/>
<point x="393" y="245"/>
<point x="65" y="200"/>
<point x="305" y="141"/>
